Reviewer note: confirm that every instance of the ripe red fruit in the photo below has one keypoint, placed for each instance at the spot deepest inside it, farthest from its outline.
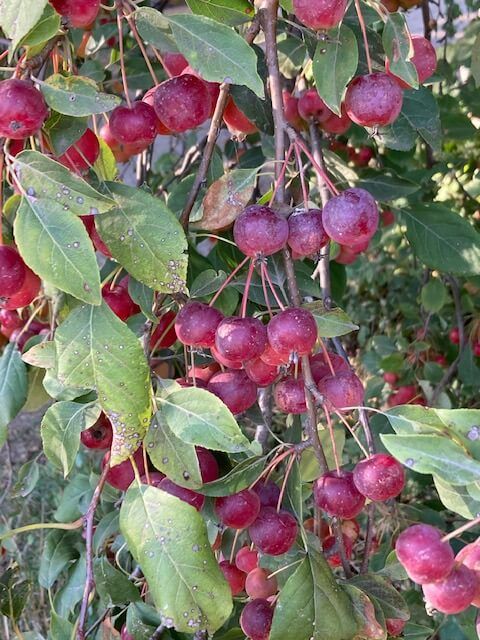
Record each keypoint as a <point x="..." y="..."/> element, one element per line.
<point x="476" y="351"/>
<point x="246" y="559"/>
<point x="259" y="585"/>
<point x="22" y="109"/>
<point x="238" y="510"/>
<point x="424" y="60"/>
<point x="82" y="154"/>
<point x="261" y="373"/>
<point x="442" y="361"/>
<point x="379" y="477"/>
<point x="388" y="217"/>
<point x="26" y="294"/>
<point x="79" y="13"/>
<point x="164" y="335"/>
<point x="320" y="366"/>
<point x="234" y="577"/>
<point x="346" y="255"/>
<point x="11" y="320"/>
<point x="290" y="395"/>
<point x="312" y="107"/>
<point x="362" y="157"/>
<point x="274" y="358"/>
<point x="241" y="338"/>
<point x="395" y="626"/>
<point x="273" y="532"/>
<point x="135" y="124"/>
<point x="162" y="130"/>
<point x="98" y="243"/>
<point x="320" y="14"/>
<point x="122" y="475"/>
<point x="12" y="271"/>
<point x="423" y="554"/>
<point x="268" y="492"/>
<point x="196" y="324"/>
<point x="390" y="378"/>
<point x="335" y="492"/>
<point x="292" y="116"/>
<point x="454" y="335"/>
<point x="351" y="217"/>
<point x="208" y="465"/>
<point x="342" y="391"/>
<point x="338" y="125"/>
<point x="122" y="152"/>
<point x="186" y="495"/>
<point x="155" y="478"/>
<point x="306" y="235"/>
<point x="182" y="103"/>
<point x="293" y="330"/>
<point x="470" y="557"/>
<point x="332" y="554"/>
<point x="124" y="635"/>
<point x="203" y="372"/>
<point x="260" y="231"/>
<point x="174" y="63"/>
<point x="226" y="362"/>
<point x="99" y="436"/>
<point x="188" y="382"/>
<point x="453" y="594"/>
<point x="119" y="301"/>
<point x="235" y="389"/>
<point x="213" y="87"/>
<point x="237" y="122"/>
<point x="256" y="619"/>
<point x="403" y="395"/>
<point x="374" y="100"/>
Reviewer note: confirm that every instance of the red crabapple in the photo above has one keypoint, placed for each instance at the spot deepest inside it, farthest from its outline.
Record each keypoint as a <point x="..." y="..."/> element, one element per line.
<point x="346" y="255"/>
<point x="238" y="510"/>
<point x="208" y="465"/>
<point x="320" y="365"/>
<point x="186" y="383"/>
<point x="226" y="362"/>
<point x="196" y="324"/>
<point x="22" y="109"/>
<point x="335" y="492"/>
<point x="203" y="372"/>
<point x="155" y="477"/>
<point x="351" y="217"/>
<point x="454" y="335"/>
<point x="259" y="585"/>
<point x="261" y="373"/>
<point x="26" y="294"/>
<point x="268" y="492"/>
<point x="213" y="87"/>
<point x="164" y="336"/>
<point x="79" y="13"/>
<point x="149" y="98"/>
<point x="374" y="100"/>
<point x="470" y="557"/>
<point x="312" y="107"/>
<point x="332" y="554"/>
<point x="306" y="235"/>
<point x="182" y="103"/>
<point x="342" y="391"/>
<point x="260" y="231"/>
<point x="274" y="358"/>
<point x="135" y="124"/>
<point x="192" y="498"/>
<point x="256" y="619"/>
<point x="99" y="436"/>
<point x="234" y="577"/>
<point x="290" y="395"/>
<point x="424" y="60"/>
<point x="293" y="330"/>
<point x="241" y="339"/>
<point x="81" y="155"/>
<point x="388" y="217"/>
<point x="119" y="301"/>
<point x="453" y="594"/>
<point x="237" y="122"/>
<point x="122" y="475"/>
<point x="12" y="271"/>
<point x="379" y="477"/>
<point x="403" y="395"/>
<point x="424" y="555"/>
<point x="337" y="125"/>
<point x="390" y="378"/>
<point x="273" y="532"/>
<point x="246" y="559"/>
<point x="98" y="243"/>
<point x="174" y="63"/>
<point x="320" y="14"/>
<point x="292" y="116"/>
<point x="235" y="390"/>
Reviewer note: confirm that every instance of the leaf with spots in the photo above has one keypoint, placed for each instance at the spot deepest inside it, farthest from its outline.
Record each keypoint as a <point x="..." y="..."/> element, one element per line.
<point x="145" y="238"/>
<point x="168" y="538"/>
<point x="42" y="177"/>
<point x="175" y="458"/>
<point x="240" y="477"/>
<point x="198" y="417"/>
<point x="55" y="244"/>
<point x="96" y="350"/>
<point x="76" y="96"/>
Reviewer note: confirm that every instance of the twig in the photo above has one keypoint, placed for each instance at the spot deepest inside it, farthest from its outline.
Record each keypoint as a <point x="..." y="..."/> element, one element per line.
<point x="30" y="65"/>
<point x="462" y="529"/>
<point x="157" y="634"/>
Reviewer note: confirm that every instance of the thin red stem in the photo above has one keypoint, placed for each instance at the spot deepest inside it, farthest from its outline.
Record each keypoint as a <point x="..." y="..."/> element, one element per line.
<point x="301" y="171"/>
<point x="228" y="280"/>
<point x="363" y="27"/>
<point x="272" y="288"/>
<point x="281" y="175"/>
<point x="332" y="438"/>
<point x="122" y="53"/>
<point x="248" y="282"/>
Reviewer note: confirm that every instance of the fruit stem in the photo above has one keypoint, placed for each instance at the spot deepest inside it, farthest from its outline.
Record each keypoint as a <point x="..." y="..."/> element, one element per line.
<point x="332" y="438"/>
<point x="264" y="268"/>
<point x="465" y="527"/>
<point x="122" y="56"/>
<point x="246" y="288"/>
<point x="265" y="292"/>
<point x="281" y="175"/>
<point x="133" y="29"/>
<point x="285" y="480"/>
<point x="363" y="27"/>
<point x="227" y="281"/>
<point x="301" y="172"/>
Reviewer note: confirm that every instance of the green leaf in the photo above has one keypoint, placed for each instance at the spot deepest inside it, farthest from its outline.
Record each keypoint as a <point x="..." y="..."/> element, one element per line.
<point x="105" y="165"/>
<point x="145" y="238"/>
<point x="216" y="51"/>
<point x="398" y="47"/>
<point x="55" y="244"/>
<point x="76" y="96"/>
<point x="175" y="458"/>
<point x="112" y="585"/>
<point x="434" y="295"/>
<point x="154" y="28"/>
<point x="334" y="65"/>
<point x="13" y="387"/>
<point x="230" y="12"/>
<point x="207" y="282"/>
<point x="58" y="552"/>
<point x="142" y="620"/>
<point x="240" y="477"/>
<point x="457" y="498"/>
<point x="390" y="601"/>
<point x="60" y="429"/>
<point x="309" y="468"/>
<point x="96" y="350"/>
<point x="442" y="239"/>
<point x="385" y="187"/>
<point x="18" y="17"/>
<point x="45" y="28"/>
<point x="198" y="417"/>
<point x="475" y="65"/>
<point x="27" y="478"/>
<point x="168" y="538"/>
<point x="43" y="177"/>
<point x="313" y="605"/>
<point x="331" y="322"/>
<point x="144" y="297"/>
<point x="13" y="594"/>
<point x="63" y="131"/>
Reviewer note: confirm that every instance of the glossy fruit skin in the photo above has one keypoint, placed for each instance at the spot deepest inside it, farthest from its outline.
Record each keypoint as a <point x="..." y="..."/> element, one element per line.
<point x="403" y="395"/>
<point x="234" y="577"/>
<point x="121" y="152"/>
<point x="122" y="475"/>
<point x="374" y="100"/>
<point x="320" y="14"/>
<point x="395" y="626"/>
<point x="424" y="60"/>
<point x="134" y="125"/>
<point x="99" y="436"/>
<point x="164" y="336"/>
<point x="454" y="335"/>
<point x="268" y="492"/>
<point x="388" y="218"/>
<point x="453" y="594"/>
<point x="256" y="619"/>
<point x="292" y="116"/>
<point x="333" y="557"/>
<point x="337" y="494"/>
<point x="98" y="243"/>
<point x="162" y="130"/>
<point x="260" y="231"/>
<point x="293" y="330"/>
<point x="259" y="585"/>
<point x="274" y="358"/>
<point x="237" y="122"/>
<point x="239" y="510"/>
<point x="82" y="154"/>
<point x="379" y="477"/>
<point x="196" y="324"/>
<point x="155" y="478"/>
<point x="346" y="255"/>
<point x="26" y="294"/>
<point x="11" y="320"/>
<point x="423" y="554"/>
<point x="342" y="391"/>
<point x="226" y="362"/>
<point x="273" y="533"/>
<point x="186" y="495"/>
<point x="79" y="13"/>
<point x="351" y="217"/>
<point x="337" y="125"/>
<point x="321" y="368"/>
<point x="235" y="389"/>
<point x="182" y="103"/>
<point x="12" y="271"/>
<point x="208" y="465"/>
<point x="174" y="63"/>
<point x="246" y="559"/>
<point x="241" y="339"/>
<point x="312" y="108"/>
<point x="390" y="378"/>
<point x="470" y="557"/>
<point x="22" y="109"/>
<point x="212" y="87"/>
<point x="119" y="301"/>
<point x="306" y="235"/>
<point x="261" y="373"/>
<point x="289" y="396"/>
